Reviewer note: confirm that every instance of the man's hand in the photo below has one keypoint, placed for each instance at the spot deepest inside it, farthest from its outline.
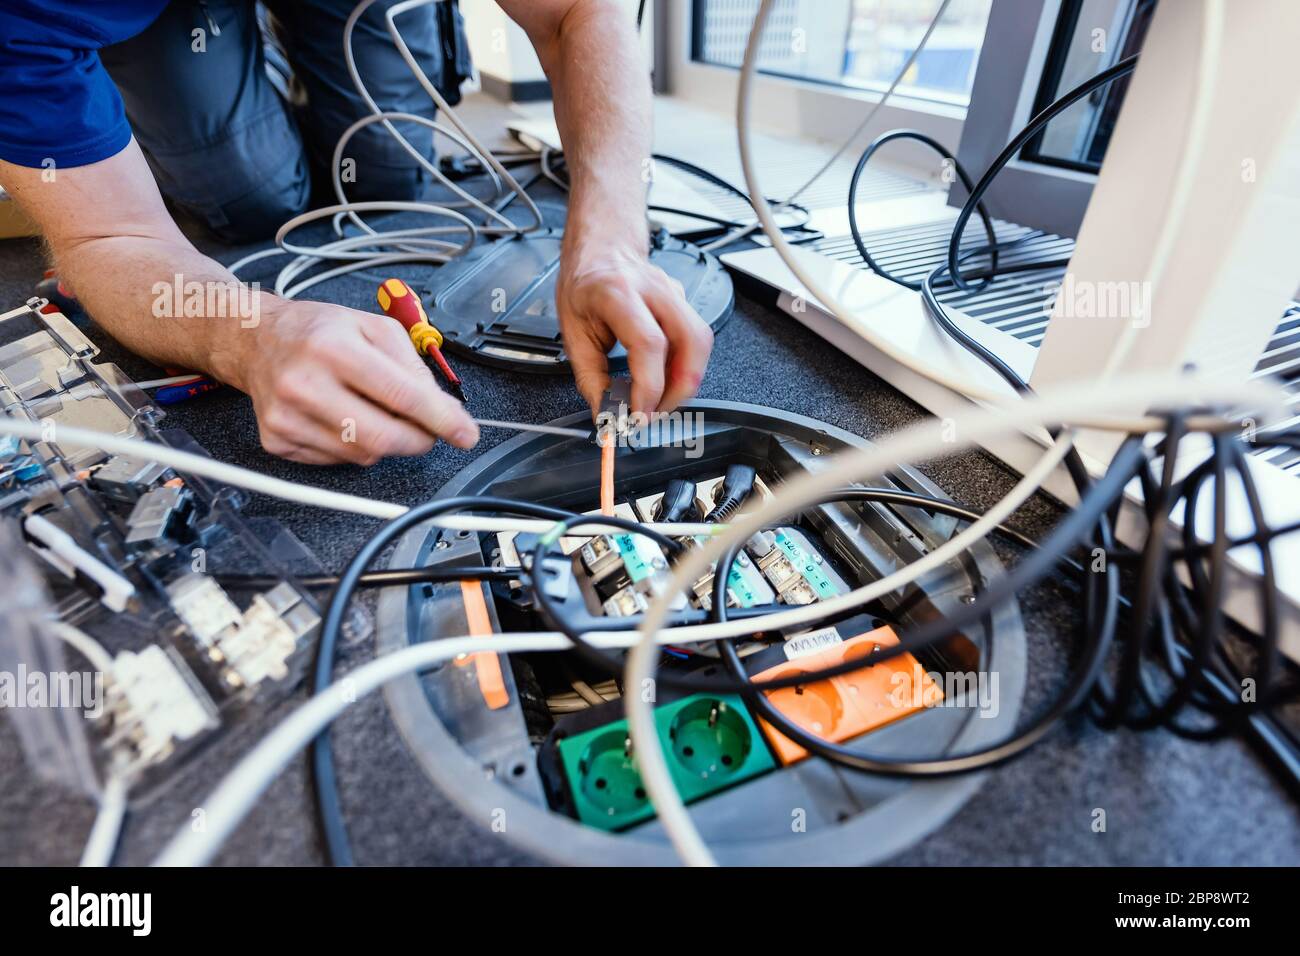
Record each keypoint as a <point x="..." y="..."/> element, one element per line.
<point x="625" y="298"/>
<point x="331" y="385"/>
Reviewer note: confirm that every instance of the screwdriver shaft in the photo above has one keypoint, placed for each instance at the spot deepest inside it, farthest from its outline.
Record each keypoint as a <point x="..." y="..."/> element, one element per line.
<point x="529" y="427"/>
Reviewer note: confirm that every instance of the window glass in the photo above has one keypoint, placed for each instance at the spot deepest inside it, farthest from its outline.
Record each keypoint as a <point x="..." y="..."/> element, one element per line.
<point x="853" y="43"/>
<point x="1090" y="36"/>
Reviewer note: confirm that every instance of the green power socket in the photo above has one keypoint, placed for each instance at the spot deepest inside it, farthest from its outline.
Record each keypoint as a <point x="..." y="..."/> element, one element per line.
<point x="713" y="743"/>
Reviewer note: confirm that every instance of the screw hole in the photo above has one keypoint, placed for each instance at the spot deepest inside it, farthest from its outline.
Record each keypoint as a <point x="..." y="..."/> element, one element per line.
<point x="726" y="759"/>
<point x="518" y="770"/>
<point x="688" y="751"/>
<point x="600" y="783"/>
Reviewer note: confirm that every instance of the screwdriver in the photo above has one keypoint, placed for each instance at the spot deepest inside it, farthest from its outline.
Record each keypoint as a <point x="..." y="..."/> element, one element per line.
<point x="399" y="301"/>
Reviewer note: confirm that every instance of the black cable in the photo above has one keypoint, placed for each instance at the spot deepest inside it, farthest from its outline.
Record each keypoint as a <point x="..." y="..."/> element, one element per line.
<point x="943" y="151"/>
<point x="1061" y="541"/>
<point x="974" y="202"/>
<point x="716" y="180"/>
<point x="388" y="577"/>
<point x="560" y="171"/>
<point x="326" y="782"/>
<point x="1122" y="68"/>
<point x="693" y="214"/>
<point x="1169" y="613"/>
<point x="551" y="612"/>
<point x="1150" y="574"/>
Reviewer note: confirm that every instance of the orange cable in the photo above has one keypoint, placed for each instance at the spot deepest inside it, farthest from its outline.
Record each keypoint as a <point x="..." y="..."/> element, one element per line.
<point x="607" y="477"/>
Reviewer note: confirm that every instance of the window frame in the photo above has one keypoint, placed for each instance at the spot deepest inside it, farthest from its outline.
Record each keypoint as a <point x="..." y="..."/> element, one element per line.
<point x="1017" y="48"/>
<point x="1049" y="83"/>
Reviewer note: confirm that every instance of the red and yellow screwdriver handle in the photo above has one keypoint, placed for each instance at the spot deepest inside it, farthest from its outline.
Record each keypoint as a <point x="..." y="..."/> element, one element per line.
<point x="400" y="302"/>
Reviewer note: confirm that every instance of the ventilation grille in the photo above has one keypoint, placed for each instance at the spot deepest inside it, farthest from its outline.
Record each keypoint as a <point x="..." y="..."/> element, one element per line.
<point x="1018" y="304"/>
<point x="1282" y="359"/>
<point x="1021" y="304"/>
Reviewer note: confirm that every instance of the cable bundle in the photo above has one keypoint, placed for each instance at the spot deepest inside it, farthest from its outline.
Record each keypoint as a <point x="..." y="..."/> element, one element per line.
<point x="369" y="247"/>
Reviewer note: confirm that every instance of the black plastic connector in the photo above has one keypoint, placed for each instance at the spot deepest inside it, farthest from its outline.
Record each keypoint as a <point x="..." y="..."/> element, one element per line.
<point x="678" y="502"/>
<point x="736" y="487"/>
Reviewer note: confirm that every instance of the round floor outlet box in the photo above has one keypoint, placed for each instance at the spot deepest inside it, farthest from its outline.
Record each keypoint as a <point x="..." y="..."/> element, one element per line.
<point x="570" y="791"/>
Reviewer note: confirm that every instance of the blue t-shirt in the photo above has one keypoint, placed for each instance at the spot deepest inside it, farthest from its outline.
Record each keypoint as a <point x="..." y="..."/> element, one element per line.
<point x="57" y="101"/>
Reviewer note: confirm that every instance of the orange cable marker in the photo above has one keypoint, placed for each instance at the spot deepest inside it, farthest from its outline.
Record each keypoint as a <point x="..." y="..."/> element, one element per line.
<point x="486" y="663"/>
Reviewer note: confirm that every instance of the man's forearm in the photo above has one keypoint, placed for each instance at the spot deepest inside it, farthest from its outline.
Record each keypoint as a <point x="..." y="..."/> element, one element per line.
<point x="608" y="290"/>
<point x="134" y="271"/>
<point x="329" y="384"/>
<point x="166" y="301"/>
<point x="603" y="110"/>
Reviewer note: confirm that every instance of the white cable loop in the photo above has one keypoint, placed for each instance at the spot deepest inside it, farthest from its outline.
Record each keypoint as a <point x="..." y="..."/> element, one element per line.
<point x="377" y="247"/>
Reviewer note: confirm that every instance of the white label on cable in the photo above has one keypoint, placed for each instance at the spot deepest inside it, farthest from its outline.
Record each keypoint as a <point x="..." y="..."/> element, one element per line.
<point x="811" y="642"/>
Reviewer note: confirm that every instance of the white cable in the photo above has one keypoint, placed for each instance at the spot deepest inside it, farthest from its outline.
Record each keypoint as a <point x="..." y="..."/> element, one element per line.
<point x="239" y="789"/>
<point x="107" y="828"/>
<point x="1182" y="198"/>
<point x="62" y="552"/>
<point x="738" y="234"/>
<point x="183" y="461"/>
<point x="485" y="155"/>
<point x="84" y="644"/>
<point x="230" y="802"/>
<point x="1083" y="392"/>
<point x="169" y="380"/>
<point x="831" y="302"/>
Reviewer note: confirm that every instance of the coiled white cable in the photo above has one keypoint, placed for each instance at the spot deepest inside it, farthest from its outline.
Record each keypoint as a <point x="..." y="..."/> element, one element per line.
<point x="373" y="247"/>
